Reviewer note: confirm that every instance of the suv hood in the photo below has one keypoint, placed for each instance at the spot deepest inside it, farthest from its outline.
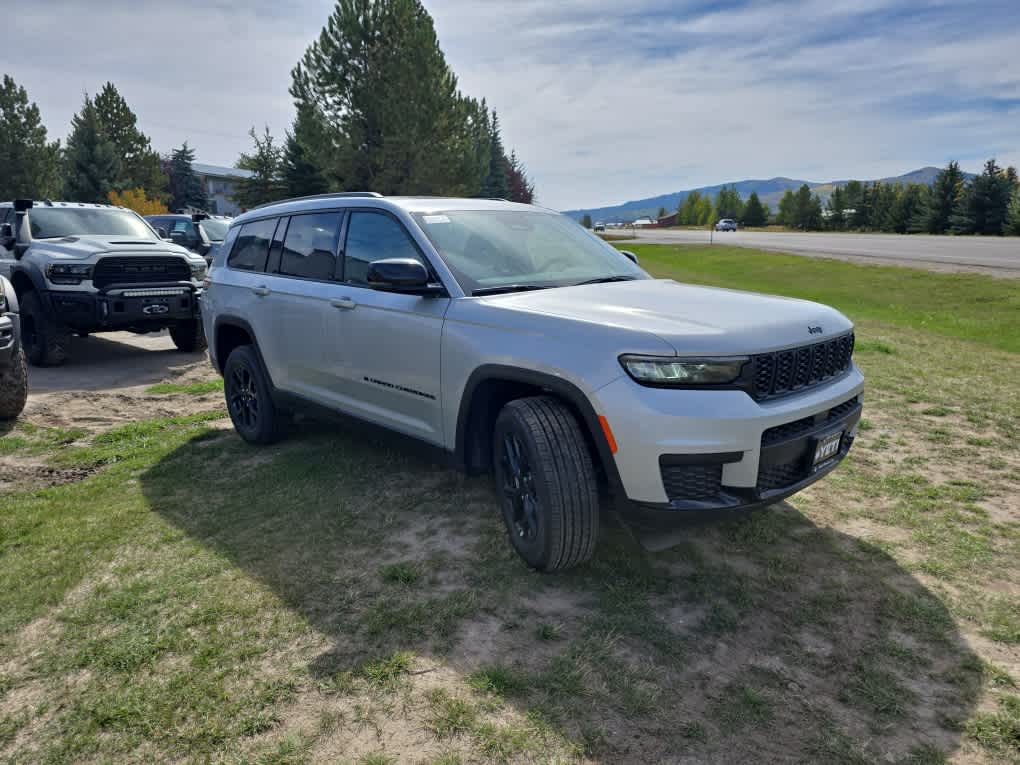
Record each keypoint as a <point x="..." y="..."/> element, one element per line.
<point x="694" y="320"/>
<point x="87" y="246"/>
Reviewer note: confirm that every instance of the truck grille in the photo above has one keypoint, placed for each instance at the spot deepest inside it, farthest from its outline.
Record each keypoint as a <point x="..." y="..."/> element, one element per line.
<point x="775" y="374"/>
<point x="790" y="430"/>
<point x="140" y="270"/>
<point x="692" y="481"/>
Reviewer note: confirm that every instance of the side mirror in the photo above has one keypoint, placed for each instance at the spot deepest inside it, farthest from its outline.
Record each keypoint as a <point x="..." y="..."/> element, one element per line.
<point x="161" y="233"/>
<point x="629" y="255"/>
<point x="405" y="275"/>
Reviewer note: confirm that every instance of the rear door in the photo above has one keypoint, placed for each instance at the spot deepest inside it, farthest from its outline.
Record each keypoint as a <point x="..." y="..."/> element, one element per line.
<point x="391" y="342"/>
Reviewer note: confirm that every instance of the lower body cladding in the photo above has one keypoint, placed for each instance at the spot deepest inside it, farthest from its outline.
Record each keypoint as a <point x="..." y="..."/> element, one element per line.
<point x="135" y="307"/>
<point x="703" y="450"/>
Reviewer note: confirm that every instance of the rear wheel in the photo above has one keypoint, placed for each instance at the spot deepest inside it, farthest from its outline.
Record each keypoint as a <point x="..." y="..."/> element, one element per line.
<point x="44" y="339"/>
<point x="249" y="398"/>
<point x="188" y="336"/>
<point x="546" y="482"/>
<point x="14" y="387"/>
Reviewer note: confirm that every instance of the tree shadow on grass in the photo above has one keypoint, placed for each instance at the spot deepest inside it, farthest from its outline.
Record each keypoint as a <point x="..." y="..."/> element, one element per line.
<point x="766" y="638"/>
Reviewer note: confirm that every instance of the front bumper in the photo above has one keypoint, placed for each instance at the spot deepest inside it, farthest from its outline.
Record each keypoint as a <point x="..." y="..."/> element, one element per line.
<point x="126" y="306"/>
<point x="10" y="338"/>
<point x="692" y="450"/>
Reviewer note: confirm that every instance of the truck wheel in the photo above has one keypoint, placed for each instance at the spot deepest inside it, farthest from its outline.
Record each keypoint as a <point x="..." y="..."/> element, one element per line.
<point x="189" y="336"/>
<point x="44" y="339"/>
<point x="14" y="387"/>
<point x="546" y="482"/>
<point x="249" y="399"/>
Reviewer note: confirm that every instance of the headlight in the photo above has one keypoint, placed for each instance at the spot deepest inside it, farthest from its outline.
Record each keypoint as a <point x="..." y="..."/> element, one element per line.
<point x="197" y="270"/>
<point x="652" y="370"/>
<point x="68" y="273"/>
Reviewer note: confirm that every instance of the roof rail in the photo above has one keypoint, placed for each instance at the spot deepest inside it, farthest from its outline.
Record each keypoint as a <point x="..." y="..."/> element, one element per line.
<point x="331" y="195"/>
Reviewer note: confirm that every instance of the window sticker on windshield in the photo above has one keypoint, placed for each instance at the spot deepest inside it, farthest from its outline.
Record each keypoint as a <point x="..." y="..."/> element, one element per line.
<point x="436" y="218"/>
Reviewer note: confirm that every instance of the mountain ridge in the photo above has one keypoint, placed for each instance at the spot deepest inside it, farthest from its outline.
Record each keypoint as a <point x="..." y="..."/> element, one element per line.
<point x="769" y="190"/>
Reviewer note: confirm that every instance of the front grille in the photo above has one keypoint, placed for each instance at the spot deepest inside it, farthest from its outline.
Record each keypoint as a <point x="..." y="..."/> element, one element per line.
<point x="789" y="430"/>
<point x="781" y="372"/>
<point x="139" y="270"/>
<point x="692" y="481"/>
<point x="780" y="475"/>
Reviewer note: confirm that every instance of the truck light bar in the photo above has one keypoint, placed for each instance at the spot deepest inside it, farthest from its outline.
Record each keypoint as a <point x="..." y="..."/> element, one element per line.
<point x="154" y="292"/>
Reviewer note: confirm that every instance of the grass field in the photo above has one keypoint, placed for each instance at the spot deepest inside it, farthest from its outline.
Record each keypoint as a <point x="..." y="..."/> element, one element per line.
<point x="341" y="597"/>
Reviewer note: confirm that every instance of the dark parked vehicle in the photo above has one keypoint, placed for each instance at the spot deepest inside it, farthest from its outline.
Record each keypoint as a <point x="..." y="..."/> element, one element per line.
<point x="198" y="232"/>
<point x="13" y="368"/>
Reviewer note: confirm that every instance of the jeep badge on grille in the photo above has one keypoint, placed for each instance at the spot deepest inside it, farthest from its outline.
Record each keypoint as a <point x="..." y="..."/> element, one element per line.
<point x="814" y="330"/>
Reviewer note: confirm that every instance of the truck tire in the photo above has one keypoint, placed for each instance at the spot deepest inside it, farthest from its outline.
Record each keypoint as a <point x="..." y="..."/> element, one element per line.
<point x="249" y="397"/>
<point x="45" y="340"/>
<point x="546" y="483"/>
<point x="189" y="336"/>
<point x="14" y="387"/>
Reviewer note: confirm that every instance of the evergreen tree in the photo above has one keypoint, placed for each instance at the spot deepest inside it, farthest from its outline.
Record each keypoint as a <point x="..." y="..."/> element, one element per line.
<point x="909" y="209"/>
<point x="521" y="188"/>
<point x="836" y="207"/>
<point x="302" y="176"/>
<point x="754" y="213"/>
<point x="1013" y="213"/>
<point x="496" y="184"/>
<point x="728" y="203"/>
<point x="983" y="206"/>
<point x="807" y="209"/>
<point x="265" y="183"/>
<point x="93" y="165"/>
<point x="185" y="188"/>
<point x="29" y="164"/>
<point x="139" y="164"/>
<point x="689" y="209"/>
<point x="586" y="220"/>
<point x="705" y="211"/>
<point x="787" y="215"/>
<point x="945" y="193"/>
<point x="389" y="104"/>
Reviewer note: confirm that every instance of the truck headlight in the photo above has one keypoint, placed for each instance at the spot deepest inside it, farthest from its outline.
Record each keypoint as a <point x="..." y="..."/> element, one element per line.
<point x="197" y="271"/>
<point x="654" y="370"/>
<point x="68" y="273"/>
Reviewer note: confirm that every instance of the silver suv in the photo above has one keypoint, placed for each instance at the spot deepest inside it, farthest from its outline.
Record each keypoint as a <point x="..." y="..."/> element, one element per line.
<point x="520" y="343"/>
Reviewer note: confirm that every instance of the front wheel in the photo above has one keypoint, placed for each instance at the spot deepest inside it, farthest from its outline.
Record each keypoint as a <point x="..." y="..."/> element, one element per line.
<point x="546" y="482"/>
<point x="14" y="387"/>
<point x="249" y="399"/>
<point x="44" y="339"/>
<point x="188" y="336"/>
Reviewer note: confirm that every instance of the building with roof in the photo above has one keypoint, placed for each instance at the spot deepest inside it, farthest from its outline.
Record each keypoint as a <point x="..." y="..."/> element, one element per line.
<point x="220" y="184"/>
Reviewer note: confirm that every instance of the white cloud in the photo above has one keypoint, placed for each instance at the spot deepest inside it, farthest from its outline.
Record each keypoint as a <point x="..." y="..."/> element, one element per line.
<point x="604" y="101"/>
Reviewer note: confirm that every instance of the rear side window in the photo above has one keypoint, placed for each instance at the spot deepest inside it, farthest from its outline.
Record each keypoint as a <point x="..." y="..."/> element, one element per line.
<point x="309" y="249"/>
<point x="371" y="237"/>
<point x="252" y="245"/>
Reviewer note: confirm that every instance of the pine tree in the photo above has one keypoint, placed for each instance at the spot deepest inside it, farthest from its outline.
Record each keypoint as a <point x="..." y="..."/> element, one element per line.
<point x="93" y="165"/>
<point x="265" y="183"/>
<point x="787" y="215"/>
<point x="521" y="188"/>
<point x="29" y="164"/>
<point x="754" y="212"/>
<point x="807" y="209"/>
<point x="688" y="209"/>
<point x="728" y="203"/>
<point x="302" y="175"/>
<point x="982" y="208"/>
<point x="1013" y="214"/>
<point x="389" y="104"/>
<point x="836" y="207"/>
<point x="496" y="184"/>
<point x="945" y="192"/>
<point x="185" y="188"/>
<point x="140" y="165"/>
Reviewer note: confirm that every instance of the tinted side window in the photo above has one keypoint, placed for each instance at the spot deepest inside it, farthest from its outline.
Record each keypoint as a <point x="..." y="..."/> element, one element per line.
<point x="252" y="246"/>
<point x="309" y="250"/>
<point x="371" y="237"/>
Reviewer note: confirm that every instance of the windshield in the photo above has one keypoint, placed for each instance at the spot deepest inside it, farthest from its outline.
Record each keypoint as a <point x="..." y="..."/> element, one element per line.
<point x="215" y="229"/>
<point x="58" y="222"/>
<point x="488" y="249"/>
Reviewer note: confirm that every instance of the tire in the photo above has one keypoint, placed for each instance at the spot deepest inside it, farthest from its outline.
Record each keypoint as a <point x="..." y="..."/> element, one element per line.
<point x="189" y="336"/>
<point x="249" y="397"/>
<point x="44" y="339"/>
<point x="14" y="387"/>
<point x="550" y="504"/>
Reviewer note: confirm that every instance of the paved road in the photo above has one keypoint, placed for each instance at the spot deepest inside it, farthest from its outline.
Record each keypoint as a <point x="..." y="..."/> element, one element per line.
<point x="999" y="255"/>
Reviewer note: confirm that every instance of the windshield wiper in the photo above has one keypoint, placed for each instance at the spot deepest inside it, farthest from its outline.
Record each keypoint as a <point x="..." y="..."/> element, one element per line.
<point x="509" y="288"/>
<point x="606" y="280"/>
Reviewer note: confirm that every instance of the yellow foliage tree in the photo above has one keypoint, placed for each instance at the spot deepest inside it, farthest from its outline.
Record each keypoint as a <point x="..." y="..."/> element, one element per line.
<point x="135" y="199"/>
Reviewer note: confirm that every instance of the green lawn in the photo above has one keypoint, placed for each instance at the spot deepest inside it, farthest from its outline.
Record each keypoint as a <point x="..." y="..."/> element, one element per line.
<point x="341" y="597"/>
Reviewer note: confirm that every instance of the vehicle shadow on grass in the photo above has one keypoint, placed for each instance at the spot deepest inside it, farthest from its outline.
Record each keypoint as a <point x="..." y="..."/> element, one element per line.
<point x="761" y="639"/>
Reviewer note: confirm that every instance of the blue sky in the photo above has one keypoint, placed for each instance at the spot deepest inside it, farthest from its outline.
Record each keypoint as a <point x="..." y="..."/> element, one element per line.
<point x="604" y="100"/>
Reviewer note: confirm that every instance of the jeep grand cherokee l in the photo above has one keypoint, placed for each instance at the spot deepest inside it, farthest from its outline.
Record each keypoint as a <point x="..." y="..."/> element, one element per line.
<point x="520" y="343"/>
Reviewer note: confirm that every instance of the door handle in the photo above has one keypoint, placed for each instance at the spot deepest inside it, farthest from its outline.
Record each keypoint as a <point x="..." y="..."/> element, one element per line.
<point x="344" y="303"/>
<point x="262" y="290"/>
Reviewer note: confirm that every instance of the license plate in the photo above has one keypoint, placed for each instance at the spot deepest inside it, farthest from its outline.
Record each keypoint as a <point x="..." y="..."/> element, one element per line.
<point x="827" y="447"/>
